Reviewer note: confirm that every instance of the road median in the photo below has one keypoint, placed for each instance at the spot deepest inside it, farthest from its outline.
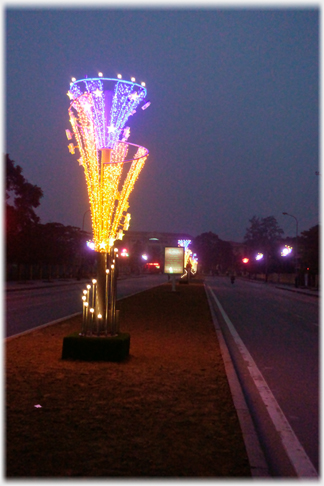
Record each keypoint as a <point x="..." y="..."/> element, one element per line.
<point x="165" y="411"/>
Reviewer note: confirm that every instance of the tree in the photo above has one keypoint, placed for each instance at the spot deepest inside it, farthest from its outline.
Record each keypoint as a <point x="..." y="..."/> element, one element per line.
<point x="21" y="199"/>
<point x="213" y="253"/>
<point x="309" y="249"/>
<point x="262" y="233"/>
<point x="263" y="236"/>
<point x="25" y="195"/>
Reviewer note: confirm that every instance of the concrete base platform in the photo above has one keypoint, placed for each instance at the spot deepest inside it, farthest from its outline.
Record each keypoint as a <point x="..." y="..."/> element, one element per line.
<point x="93" y="348"/>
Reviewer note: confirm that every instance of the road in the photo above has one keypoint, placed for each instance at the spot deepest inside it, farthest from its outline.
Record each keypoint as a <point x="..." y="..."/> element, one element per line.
<point x="37" y="304"/>
<point x="273" y="338"/>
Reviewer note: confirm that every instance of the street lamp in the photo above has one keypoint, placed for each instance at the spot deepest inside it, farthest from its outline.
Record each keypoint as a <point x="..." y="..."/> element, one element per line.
<point x="296" y="250"/>
<point x="87" y="211"/>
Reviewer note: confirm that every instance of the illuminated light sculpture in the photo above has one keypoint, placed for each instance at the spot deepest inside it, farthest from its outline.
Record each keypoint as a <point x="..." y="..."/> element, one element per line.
<point x="99" y="110"/>
<point x="190" y="261"/>
<point x="184" y="243"/>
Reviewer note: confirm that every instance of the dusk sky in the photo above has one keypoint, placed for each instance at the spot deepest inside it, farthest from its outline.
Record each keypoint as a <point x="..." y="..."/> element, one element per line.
<point x="233" y="125"/>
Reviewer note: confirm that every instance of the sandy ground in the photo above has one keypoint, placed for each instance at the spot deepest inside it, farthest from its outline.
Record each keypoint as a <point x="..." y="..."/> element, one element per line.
<point x="164" y="412"/>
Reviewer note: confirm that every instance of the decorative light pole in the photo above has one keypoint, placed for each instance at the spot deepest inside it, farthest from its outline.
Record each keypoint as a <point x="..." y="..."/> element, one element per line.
<point x="99" y="110"/>
<point x="296" y="249"/>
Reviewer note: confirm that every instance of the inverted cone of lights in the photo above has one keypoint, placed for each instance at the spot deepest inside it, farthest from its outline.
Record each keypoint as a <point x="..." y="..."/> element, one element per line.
<point x="98" y="113"/>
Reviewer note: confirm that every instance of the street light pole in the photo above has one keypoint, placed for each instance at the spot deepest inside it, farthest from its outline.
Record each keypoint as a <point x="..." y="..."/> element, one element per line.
<point x="296" y="253"/>
<point x="87" y="211"/>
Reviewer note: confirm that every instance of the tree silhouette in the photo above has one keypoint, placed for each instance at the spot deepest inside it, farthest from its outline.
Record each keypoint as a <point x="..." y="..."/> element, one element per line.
<point x="263" y="235"/>
<point x="213" y="253"/>
<point x="25" y="196"/>
<point x="22" y="198"/>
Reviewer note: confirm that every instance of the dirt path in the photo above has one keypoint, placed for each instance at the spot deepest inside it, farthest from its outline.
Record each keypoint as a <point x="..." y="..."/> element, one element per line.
<point x="166" y="411"/>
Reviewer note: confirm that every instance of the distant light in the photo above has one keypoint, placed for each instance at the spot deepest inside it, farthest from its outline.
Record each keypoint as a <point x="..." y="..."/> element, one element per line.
<point x="245" y="260"/>
<point x="119" y="76"/>
<point x="157" y="239"/>
<point x="143" y="84"/>
<point x="91" y="245"/>
<point x="145" y="257"/>
<point x="286" y="251"/>
<point x="259" y="256"/>
<point x="133" y="79"/>
<point x="73" y="80"/>
<point x="100" y="76"/>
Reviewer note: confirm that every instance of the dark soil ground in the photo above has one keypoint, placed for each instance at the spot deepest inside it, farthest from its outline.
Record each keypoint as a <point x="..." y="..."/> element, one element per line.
<point x="164" y="412"/>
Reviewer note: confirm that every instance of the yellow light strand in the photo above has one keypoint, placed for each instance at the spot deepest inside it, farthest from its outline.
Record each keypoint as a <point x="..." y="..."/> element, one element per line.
<point x="107" y="204"/>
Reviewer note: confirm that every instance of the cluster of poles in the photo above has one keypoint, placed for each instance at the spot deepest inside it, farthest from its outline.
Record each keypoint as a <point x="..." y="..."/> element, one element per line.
<point x="99" y="316"/>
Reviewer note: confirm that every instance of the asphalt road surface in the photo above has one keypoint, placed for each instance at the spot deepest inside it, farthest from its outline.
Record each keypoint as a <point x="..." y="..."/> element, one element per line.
<point x="273" y="338"/>
<point x="37" y="304"/>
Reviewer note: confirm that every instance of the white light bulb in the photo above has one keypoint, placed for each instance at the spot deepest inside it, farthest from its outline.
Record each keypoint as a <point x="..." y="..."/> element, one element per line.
<point x="119" y="76"/>
<point x="133" y="79"/>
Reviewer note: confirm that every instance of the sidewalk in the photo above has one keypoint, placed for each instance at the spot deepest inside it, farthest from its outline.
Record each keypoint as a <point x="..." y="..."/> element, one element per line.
<point x="167" y="411"/>
<point x="299" y="290"/>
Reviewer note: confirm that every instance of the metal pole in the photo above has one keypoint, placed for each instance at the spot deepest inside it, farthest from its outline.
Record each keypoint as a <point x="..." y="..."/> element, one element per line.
<point x="112" y="289"/>
<point x="115" y="289"/>
<point x="101" y="283"/>
<point x="107" y="299"/>
<point x="87" y="211"/>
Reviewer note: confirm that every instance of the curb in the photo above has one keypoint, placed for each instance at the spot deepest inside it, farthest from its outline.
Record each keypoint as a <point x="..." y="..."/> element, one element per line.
<point x="298" y="291"/>
<point x="258" y="464"/>
<point x="51" y="284"/>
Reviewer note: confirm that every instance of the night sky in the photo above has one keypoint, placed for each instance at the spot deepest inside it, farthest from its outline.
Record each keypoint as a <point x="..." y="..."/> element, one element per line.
<point x="233" y="124"/>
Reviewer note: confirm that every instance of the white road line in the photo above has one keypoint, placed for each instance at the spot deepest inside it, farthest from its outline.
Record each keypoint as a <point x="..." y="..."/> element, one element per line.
<point x="42" y="326"/>
<point x="295" y="451"/>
